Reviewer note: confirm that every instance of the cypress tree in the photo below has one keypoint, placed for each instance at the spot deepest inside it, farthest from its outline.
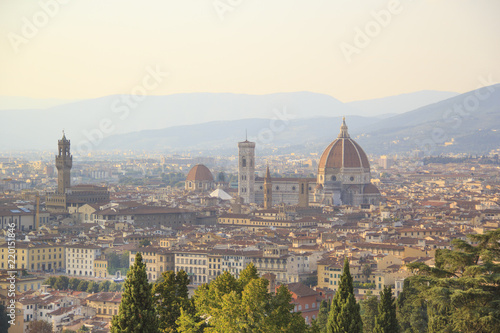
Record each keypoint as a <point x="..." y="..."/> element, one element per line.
<point x="137" y="312"/>
<point x="345" y="314"/>
<point x="171" y="295"/>
<point x="386" y="321"/>
<point x="369" y="311"/>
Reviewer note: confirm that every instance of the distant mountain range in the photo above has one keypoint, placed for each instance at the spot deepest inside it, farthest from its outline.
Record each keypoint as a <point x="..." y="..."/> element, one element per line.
<point x="464" y="123"/>
<point x="469" y="122"/>
<point x="112" y="116"/>
<point x="224" y="135"/>
<point x="400" y="103"/>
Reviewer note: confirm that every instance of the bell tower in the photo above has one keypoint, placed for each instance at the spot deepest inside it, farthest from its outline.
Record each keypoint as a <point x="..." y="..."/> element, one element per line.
<point x="64" y="162"/>
<point x="246" y="171"/>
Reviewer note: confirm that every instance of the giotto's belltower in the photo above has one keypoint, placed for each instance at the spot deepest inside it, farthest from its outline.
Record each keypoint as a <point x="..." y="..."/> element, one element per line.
<point x="246" y="171"/>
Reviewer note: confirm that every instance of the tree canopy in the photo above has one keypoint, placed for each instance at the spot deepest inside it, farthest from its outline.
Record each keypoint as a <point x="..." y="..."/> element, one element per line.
<point x="462" y="292"/>
<point x="344" y="314"/>
<point x="137" y="312"/>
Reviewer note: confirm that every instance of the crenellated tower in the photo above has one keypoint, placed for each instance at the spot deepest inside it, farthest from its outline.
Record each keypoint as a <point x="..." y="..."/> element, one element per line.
<point x="64" y="162"/>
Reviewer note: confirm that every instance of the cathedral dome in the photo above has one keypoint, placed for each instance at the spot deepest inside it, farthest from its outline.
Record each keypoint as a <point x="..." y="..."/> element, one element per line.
<point x="199" y="173"/>
<point x="343" y="152"/>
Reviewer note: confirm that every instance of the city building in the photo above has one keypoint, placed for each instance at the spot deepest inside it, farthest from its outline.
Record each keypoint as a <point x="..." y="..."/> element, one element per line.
<point x="156" y="259"/>
<point x="80" y="259"/>
<point x="67" y="196"/>
<point x="34" y="256"/>
<point x="344" y="174"/>
<point x="199" y="179"/>
<point x="343" y="178"/>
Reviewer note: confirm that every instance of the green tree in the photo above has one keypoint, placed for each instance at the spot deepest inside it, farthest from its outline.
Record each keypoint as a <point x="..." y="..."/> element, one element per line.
<point x="188" y="323"/>
<point x="73" y="283"/>
<point x="118" y="262"/>
<point x="113" y="287"/>
<point x="255" y="306"/>
<point x="83" y="285"/>
<point x="61" y="283"/>
<point x="51" y="281"/>
<point x="345" y="313"/>
<point x="137" y="311"/>
<point x="245" y="305"/>
<point x="280" y="317"/>
<point x="171" y="296"/>
<point x="247" y="274"/>
<point x="367" y="270"/>
<point x="92" y="287"/>
<point x="412" y="310"/>
<point x="104" y="285"/>
<point x="369" y="310"/>
<point x="386" y="321"/>
<point x="462" y="291"/>
<point x="228" y="316"/>
<point x="144" y="243"/>
<point x="125" y="260"/>
<point x="208" y="298"/>
<point x="318" y="325"/>
<point x="4" y="320"/>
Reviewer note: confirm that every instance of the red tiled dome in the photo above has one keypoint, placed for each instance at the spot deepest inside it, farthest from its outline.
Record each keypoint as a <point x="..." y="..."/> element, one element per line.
<point x="344" y="152"/>
<point x="199" y="172"/>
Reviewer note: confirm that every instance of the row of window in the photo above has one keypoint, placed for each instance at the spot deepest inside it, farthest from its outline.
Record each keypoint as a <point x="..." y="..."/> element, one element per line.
<point x="107" y="311"/>
<point x="306" y="306"/>
<point x="33" y="251"/>
<point x="78" y="251"/>
<point x="192" y="261"/>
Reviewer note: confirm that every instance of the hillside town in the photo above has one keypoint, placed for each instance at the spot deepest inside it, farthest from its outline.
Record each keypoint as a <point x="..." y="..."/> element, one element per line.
<point x="295" y="218"/>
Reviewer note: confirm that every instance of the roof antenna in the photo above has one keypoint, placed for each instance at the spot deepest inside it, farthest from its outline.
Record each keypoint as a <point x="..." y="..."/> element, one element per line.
<point x="246" y="134"/>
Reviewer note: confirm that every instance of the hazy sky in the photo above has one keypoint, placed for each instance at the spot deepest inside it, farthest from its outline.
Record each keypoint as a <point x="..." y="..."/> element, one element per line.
<point x="91" y="48"/>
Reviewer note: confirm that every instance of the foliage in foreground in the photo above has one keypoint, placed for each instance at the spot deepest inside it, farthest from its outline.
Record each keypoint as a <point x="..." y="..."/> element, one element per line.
<point x="137" y="310"/>
<point x="460" y="294"/>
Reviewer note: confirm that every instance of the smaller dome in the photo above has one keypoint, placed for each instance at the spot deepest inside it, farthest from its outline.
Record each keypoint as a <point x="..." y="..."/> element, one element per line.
<point x="199" y="172"/>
